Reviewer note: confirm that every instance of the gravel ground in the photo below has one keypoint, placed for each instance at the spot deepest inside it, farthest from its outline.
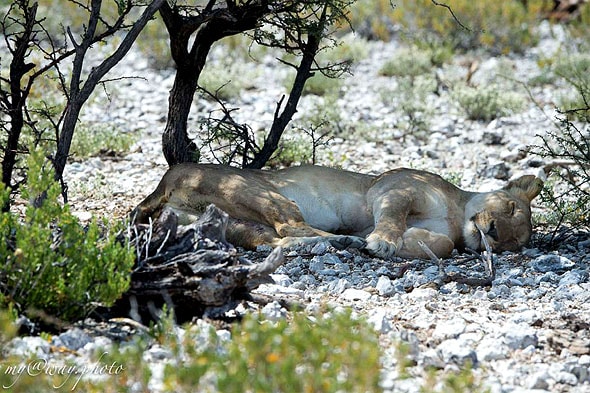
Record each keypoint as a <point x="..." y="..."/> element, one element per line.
<point x="528" y="332"/>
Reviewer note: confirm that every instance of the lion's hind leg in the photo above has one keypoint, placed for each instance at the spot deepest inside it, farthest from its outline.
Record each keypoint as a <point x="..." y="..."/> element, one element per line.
<point x="440" y="244"/>
<point x="339" y="242"/>
<point x="250" y="234"/>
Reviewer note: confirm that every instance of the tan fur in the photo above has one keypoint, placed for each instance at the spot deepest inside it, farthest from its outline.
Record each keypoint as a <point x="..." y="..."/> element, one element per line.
<point x="387" y="214"/>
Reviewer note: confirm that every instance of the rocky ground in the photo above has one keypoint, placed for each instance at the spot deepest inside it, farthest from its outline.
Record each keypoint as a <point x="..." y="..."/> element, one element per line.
<point x="528" y="332"/>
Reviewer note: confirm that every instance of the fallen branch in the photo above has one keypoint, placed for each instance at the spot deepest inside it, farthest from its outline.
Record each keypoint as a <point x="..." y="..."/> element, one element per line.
<point x="191" y="267"/>
<point x="444" y="278"/>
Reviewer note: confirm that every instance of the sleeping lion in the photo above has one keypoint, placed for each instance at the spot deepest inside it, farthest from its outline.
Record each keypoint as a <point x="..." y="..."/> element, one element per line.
<point x="386" y="215"/>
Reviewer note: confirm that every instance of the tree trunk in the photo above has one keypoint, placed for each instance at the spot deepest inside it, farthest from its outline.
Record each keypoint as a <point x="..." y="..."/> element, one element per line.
<point x="176" y="144"/>
<point x="204" y="29"/>
<point x="15" y="105"/>
<point x="280" y="122"/>
<point x="79" y="96"/>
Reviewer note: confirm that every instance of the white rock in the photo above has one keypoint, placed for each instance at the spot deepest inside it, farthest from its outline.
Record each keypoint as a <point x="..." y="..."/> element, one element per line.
<point x="379" y="320"/>
<point x="281" y="279"/>
<point x="457" y="352"/>
<point x="519" y="336"/>
<point x="29" y="347"/>
<point x="274" y="311"/>
<point x="449" y="329"/>
<point x="538" y="380"/>
<point x="356" y="294"/>
<point x="423" y="294"/>
<point x="385" y="286"/>
<point x="551" y="263"/>
<point x="491" y="348"/>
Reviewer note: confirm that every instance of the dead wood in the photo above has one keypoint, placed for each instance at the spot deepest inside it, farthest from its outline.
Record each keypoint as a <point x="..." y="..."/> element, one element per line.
<point x="191" y="267"/>
<point x="444" y="278"/>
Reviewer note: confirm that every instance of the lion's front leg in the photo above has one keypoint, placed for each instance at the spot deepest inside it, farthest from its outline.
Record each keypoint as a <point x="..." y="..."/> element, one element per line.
<point x="390" y="212"/>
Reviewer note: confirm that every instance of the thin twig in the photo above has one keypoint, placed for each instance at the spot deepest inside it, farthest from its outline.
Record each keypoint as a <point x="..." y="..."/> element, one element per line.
<point x="452" y="13"/>
<point x="488" y="259"/>
<point x="442" y="275"/>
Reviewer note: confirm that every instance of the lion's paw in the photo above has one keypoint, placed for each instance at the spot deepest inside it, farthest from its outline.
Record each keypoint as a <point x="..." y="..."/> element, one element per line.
<point x="380" y="248"/>
<point x="342" y="242"/>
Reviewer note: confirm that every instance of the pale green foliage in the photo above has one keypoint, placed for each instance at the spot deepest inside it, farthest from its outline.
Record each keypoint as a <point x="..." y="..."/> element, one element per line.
<point x="497" y="26"/>
<point x="93" y="140"/>
<point x="410" y="96"/>
<point x="351" y="49"/>
<point x="329" y="353"/>
<point x="227" y="79"/>
<point x="292" y="151"/>
<point x="50" y="262"/>
<point x="575" y="70"/>
<point x="409" y="62"/>
<point x="488" y="102"/>
<point x="320" y="85"/>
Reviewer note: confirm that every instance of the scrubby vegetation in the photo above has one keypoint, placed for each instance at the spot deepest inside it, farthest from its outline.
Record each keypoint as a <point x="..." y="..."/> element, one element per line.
<point x="330" y="352"/>
<point x="49" y="262"/>
<point x="567" y="193"/>
<point x="487" y="102"/>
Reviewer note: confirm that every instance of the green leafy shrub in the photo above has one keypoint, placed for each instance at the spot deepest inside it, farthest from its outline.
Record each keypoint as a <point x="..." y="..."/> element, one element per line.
<point x="50" y="262"/>
<point x="328" y="353"/>
<point x="498" y="26"/>
<point x="486" y="103"/>
<point x="319" y="84"/>
<point x="350" y="49"/>
<point x="566" y="194"/>
<point x="95" y="140"/>
<point x="575" y="70"/>
<point x="409" y="62"/>
<point x="411" y="97"/>
<point x="291" y="151"/>
<point x="227" y="79"/>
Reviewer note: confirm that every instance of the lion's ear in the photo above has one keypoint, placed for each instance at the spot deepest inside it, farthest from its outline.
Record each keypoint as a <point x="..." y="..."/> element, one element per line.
<point x="526" y="187"/>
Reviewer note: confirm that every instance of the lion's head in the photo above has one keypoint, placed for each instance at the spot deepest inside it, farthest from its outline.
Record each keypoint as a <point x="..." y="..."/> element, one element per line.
<point x="504" y="216"/>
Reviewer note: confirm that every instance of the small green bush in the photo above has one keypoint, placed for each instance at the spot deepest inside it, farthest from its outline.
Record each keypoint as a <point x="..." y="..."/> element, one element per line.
<point x="575" y="70"/>
<point x="328" y="353"/>
<point x="227" y="79"/>
<point x="566" y="194"/>
<point x="319" y="85"/>
<point x="50" y="262"/>
<point x="497" y="26"/>
<point x="350" y="49"/>
<point x="410" y="96"/>
<point x="91" y="141"/>
<point x="409" y="62"/>
<point x="291" y="151"/>
<point x="486" y="103"/>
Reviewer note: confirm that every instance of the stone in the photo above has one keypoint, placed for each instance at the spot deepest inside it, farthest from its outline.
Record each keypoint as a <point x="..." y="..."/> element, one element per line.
<point x="446" y="329"/>
<point x="457" y="352"/>
<point x="338" y="286"/>
<point x="491" y="348"/>
<point x="29" y="347"/>
<point x="385" y="286"/>
<point x="551" y="263"/>
<point x="274" y="311"/>
<point x="379" y="320"/>
<point x="519" y="336"/>
<point x="355" y="294"/>
<point x="73" y="339"/>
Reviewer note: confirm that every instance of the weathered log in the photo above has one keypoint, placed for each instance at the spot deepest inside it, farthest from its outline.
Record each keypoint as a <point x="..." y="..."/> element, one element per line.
<point x="192" y="266"/>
